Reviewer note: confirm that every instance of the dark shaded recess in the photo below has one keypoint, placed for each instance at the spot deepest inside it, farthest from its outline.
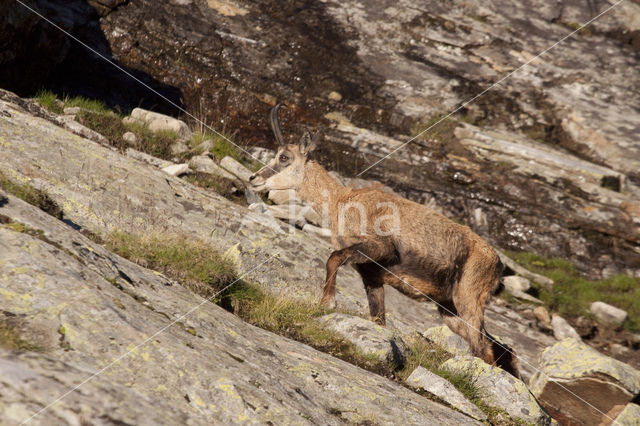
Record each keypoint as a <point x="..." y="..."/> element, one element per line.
<point x="36" y="56"/>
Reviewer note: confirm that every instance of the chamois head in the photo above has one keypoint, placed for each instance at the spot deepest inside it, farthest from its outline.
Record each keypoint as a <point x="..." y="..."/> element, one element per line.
<point x="286" y="171"/>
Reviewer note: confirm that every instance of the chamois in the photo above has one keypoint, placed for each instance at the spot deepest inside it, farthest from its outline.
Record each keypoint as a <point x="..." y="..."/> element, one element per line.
<point x="391" y="240"/>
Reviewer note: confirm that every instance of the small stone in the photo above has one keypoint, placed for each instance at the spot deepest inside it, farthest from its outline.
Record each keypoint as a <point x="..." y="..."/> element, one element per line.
<point x="235" y="168"/>
<point x="176" y="169"/>
<point x="159" y="122"/>
<point x="618" y="349"/>
<point x="130" y="138"/>
<point x="335" y="96"/>
<point x="72" y="110"/>
<point x="369" y="337"/>
<point x="542" y="315"/>
<point x="203" y="147"/>
<point x="607" y="314"/>
<point x="515" y="283"/>
<point x="204" y="164"/>
<point x="284" y="196"/>
<point x="562" y="329"/>
<point x="316" y="230"/>
<point x="421" y="378"/>
<point x="178" y="148"/>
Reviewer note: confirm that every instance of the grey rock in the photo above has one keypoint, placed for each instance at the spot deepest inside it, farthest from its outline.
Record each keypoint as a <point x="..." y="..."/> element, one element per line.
<point x="421" y="378"/>
<point x="526" y="297"/>
<point x="540" y="279"/>
<point x="608" y="314"/>
<point x="205" y="164"/>
<point x="543" y="317"/>
<point x="316" y="230"/>
<point x="515" y="283"/>
<point x="562" y="329"/>
<point x="369" y="337"/>
<point x="236" y="168"/>
<point x="284" y="196"/>
<point x="176" y="169"/>
<point x="69" y="122"/>
<point x="159" y="122"/>
<point x="586" y="374"/>
<point x="500" y="389"/>
<point x="178" y="148"/>
<point x="203" y="147"/>
<point x="444" y="337"/>
<point x="130" y="138"/>
<point x="262" y="155"/>
<point x="72" y="110"/>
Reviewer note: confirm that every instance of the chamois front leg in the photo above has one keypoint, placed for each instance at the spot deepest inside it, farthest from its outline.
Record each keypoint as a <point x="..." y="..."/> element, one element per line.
<point x="378" y="250"/>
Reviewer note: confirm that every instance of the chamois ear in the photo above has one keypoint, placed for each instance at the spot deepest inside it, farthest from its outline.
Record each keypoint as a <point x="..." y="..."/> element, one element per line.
<point x="307" y="143"/>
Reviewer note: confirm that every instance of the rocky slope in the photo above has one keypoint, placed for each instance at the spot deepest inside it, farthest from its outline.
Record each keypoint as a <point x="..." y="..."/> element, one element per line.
<point x="60" y="289"/>
<point x="390" y="68"/>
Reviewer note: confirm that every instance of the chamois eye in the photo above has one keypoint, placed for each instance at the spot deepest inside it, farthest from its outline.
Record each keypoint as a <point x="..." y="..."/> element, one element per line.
<point x="284" y="158"/>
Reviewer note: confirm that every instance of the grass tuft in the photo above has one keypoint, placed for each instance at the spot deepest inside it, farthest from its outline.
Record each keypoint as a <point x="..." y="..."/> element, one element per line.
<point x="192" y="263"/>
<point x="31" y="195"/>
<point x="572" y="294"/>
<point x="48" y="100"/>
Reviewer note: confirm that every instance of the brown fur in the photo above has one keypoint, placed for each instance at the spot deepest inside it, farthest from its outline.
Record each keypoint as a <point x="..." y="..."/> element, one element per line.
<point x="424" y="256"/>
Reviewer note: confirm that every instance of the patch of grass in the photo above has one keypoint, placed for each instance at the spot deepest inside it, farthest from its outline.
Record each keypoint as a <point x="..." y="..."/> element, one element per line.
<point x="430" y="356"/>
<point x="157" y="144"/>
<point x="192" y="263"/>
<point x="11" y="338"/>
<point x="31" y="195"/>
<point x="84" y="103"/>
<point x="572" y="294"/>
<point x="48" y="100"/>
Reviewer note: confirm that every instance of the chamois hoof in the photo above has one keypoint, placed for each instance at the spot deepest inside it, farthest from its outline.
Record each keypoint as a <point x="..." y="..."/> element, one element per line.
<point x="328" y="302"/>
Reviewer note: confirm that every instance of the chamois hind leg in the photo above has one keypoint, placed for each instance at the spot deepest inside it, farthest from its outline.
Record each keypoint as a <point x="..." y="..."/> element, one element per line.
<point x="470" y="297"/>
<point x="373" y="284"/>
<point x="367" y="251"/>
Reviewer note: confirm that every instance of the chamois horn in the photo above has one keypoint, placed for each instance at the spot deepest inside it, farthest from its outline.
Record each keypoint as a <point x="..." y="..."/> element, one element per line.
<point x="275" y="124"/>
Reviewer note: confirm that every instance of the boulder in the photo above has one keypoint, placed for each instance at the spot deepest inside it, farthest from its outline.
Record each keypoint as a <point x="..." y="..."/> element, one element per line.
<point x="130" y="138"/>
<point x="176" y="169"/>
<point x="236" y="168"/>
<point x="444" y="337"/>
<point x="577" y="384"/>
<point x="159" y="122"/>
<point x="515" y="283"/>
<point x="608" y="314"/>
<point x="423" y="379"/>
<point x="562" y="329"/>
<point x="630" y="416"/>
<point x="500" y="389"/>
<point x="369" y="337"/>
<point x="204" y="164"/>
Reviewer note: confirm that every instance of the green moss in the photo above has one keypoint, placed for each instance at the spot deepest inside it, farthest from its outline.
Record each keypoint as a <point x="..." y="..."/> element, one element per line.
<point x="31" y="195"/>
<point x="572" y="294"/>
<point x="47" y="99"/>
<point x="11" y="338"/>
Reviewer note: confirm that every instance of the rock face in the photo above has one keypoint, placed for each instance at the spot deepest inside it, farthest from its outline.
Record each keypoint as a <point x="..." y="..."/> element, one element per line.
<point x="571" y="373"/>
<point x="421" y="378"/>
<point x="130" y="193"/>
<point x="161" y="345"/>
